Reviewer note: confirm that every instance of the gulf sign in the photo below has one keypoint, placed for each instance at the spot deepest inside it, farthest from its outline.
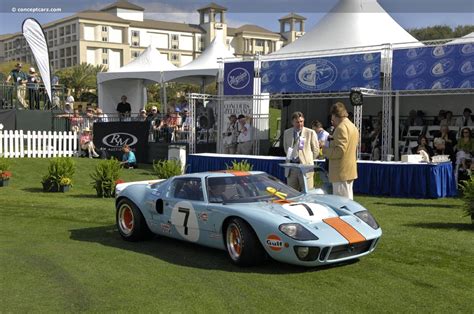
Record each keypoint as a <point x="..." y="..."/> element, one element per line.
<point x="274" y="242"/>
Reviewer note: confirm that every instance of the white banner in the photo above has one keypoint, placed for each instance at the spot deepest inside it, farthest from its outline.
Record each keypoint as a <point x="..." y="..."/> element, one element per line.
<point x="34" y="35"/>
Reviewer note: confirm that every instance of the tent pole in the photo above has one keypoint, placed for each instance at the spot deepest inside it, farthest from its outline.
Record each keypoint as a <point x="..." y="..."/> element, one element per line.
<point x="397" y="126"/>
<point x="163" y="94"/>
<point x="203" y="85"/>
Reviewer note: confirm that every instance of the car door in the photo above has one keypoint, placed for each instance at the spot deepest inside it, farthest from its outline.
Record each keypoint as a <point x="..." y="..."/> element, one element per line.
<point x="183" y="205"/>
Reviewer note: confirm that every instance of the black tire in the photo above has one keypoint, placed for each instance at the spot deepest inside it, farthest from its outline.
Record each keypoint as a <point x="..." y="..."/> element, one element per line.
<point x="130" y="222"/>
<point x="243" y="246"/>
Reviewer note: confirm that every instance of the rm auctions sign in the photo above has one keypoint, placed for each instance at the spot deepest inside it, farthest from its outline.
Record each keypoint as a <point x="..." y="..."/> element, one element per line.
<point x="111" y="136"/>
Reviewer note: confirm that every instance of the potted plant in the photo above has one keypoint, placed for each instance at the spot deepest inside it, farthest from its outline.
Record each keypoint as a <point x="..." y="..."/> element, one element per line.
<point x="165" y="169"/>
<point x="467" y="188"/>
<point x="242" y="165"/>
<point x="5" y="174"/>
<point x="65" y="184"/>
<point x="59" y="170"/>
<point x="106" y="175"/>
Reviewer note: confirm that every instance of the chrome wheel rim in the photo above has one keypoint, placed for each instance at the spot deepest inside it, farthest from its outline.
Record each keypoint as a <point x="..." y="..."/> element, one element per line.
<point x="234" y="241"/>
<point x="126" y="219"/>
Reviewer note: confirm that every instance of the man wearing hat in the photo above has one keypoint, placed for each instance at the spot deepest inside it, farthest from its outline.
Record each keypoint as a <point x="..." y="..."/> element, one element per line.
<point x="244" y="140"/>
<point x="466" y="119"/>
<point x="33" y="89"/>
<point x="230" y="136"/>
<point x="20" y="79"/>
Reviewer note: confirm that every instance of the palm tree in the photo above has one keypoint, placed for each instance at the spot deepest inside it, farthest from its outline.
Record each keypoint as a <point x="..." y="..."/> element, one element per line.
<point x="80" y="78"/>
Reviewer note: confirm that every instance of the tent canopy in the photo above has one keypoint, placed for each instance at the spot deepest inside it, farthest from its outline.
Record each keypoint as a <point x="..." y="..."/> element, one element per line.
<point x="147" y="66"/>
<point x="351" y="23"/>
<point x="131" y="80"/>
<point x="469" y="38"/>
<point x="204" y="67"/>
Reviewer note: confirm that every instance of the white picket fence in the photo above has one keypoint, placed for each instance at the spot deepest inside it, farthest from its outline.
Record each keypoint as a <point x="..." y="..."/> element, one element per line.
<point x="41" y="144"/>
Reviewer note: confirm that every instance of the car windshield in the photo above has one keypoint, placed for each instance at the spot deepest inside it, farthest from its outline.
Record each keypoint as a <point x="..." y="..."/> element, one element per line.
<point x="246" y="189"/>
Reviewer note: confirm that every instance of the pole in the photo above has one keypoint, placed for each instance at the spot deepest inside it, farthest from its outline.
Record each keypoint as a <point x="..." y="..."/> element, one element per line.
<point x="397" y="126"/>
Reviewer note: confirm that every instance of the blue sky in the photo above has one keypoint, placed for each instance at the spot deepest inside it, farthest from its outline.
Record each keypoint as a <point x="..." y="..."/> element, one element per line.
<point x="265" y="13"/>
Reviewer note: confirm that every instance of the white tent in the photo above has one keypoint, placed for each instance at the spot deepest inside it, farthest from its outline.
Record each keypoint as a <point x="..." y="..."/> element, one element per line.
<point x="351" y="23"/>
<point x="204" y="68"/>
<point x="469" y="38"/>
<point x="131" y="80"/>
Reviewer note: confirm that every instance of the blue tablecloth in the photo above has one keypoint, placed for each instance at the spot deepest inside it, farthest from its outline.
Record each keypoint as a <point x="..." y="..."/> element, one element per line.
<point x="394" y="179"/>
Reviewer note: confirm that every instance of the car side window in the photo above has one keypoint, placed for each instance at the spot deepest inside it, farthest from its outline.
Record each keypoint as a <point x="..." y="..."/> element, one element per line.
<point x="187" y="189"/>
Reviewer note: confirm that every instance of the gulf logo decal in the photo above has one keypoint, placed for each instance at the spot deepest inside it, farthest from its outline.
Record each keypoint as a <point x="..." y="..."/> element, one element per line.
<point x="274" y="242"/>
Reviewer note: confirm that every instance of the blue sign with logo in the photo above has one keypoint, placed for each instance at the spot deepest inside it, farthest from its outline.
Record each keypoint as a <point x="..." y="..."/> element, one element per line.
<point x="238" y="78"/>
<point x="323" y="74"/>
<point x="440" y="67"/>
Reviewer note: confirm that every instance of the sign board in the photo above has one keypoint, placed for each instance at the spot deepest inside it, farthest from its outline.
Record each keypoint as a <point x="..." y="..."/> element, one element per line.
<point x="111" y="136"/>
<point x="322" y="74"/>
<point x="439" y="67"/>
<point x="238" y="78"/>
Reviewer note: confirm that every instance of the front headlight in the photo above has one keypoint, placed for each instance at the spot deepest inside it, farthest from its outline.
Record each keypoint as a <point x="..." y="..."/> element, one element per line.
<point x="366" y="217"/>
<point x="297" y="232"/>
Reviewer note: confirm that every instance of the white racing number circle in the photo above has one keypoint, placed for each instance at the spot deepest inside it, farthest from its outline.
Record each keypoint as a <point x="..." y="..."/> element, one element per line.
<point x="184" y="219"/>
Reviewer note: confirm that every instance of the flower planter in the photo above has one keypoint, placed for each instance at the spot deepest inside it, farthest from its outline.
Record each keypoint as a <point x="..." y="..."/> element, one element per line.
<point x="64" y="188"/>
<point x="4" y="182"/>
<point x="49" y="186"/>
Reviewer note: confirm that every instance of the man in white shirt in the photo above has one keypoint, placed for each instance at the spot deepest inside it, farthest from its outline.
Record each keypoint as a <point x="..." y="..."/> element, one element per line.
<point x="322" y="134"/>
<point x="244" y="140"/>
<point x="466" y="119"/>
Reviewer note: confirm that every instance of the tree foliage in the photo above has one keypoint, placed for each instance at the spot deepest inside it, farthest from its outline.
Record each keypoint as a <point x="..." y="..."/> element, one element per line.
<point x="441" y="32"/>
<point x="80" y="78"/>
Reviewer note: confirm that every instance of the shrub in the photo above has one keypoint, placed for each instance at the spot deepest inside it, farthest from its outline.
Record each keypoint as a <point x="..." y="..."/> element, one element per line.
<point x="467" y="188"/>
<point x="105" y="176"/>
<point x="165" y="169"/>
<point x="243" y="165"/>
<point x="5" y="174"/>
<point x="59" y="169"/>
<point x="4" y="164"/>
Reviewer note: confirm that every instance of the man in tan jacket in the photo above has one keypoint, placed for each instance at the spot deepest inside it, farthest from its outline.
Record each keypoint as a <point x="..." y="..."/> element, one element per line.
<point x="303" y="146"/>
<point x="342" y="152"/>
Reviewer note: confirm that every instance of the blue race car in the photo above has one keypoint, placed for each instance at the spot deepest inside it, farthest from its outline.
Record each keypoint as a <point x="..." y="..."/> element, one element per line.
<point x="251" y="215"/>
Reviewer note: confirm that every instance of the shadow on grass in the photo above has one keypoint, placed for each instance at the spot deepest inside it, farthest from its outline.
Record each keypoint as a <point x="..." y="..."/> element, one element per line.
<point x="431" y="205"/>
<point x="443" y="225"/>
<point x="33" y="190"/>
<point x="90" y="196"/>
<point x="185" y="253"/>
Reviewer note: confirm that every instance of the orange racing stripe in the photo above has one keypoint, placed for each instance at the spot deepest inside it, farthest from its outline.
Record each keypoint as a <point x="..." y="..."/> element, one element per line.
<point x="345" y="229"/>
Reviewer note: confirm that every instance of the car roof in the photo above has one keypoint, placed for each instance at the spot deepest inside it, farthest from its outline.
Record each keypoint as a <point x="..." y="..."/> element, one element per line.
<point x="220" y="174"/>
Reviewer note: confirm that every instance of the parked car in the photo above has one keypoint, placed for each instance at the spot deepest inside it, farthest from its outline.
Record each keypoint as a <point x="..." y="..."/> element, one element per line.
<point x="251" y="215"/>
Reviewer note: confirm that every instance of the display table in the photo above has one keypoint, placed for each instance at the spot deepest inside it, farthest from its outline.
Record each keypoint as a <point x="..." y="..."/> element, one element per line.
<point x="397" y="179"/>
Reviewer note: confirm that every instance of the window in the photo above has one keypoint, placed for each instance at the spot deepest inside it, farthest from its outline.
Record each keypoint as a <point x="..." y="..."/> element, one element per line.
<point x="104" y="50"/>
<point x="135" y="34"/>
<point x="174" y="46"/>
<point x="174" y="57"/>
<point x="104" y="39"/>
<point x="135" y="54"/>
<point x="74" y="50"/>
<point x="104" y="28"/>
<point x="174" y="37"/>
<point x="187" y="189"/>
<point x="135" y="44"/>
<point x="104" y="61"/>
<point x="259" y="43"/>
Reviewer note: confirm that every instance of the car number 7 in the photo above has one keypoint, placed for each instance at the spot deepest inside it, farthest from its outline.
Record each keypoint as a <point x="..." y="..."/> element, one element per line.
<point x="186" y="216"/>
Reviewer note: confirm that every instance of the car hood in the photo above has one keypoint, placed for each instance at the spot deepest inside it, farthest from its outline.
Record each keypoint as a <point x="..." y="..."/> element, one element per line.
<point x="312" y="209"/>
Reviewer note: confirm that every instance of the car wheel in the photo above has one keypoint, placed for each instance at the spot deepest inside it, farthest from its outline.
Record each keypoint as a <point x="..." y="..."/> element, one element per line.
<point x="130" y="222"/>
<point x="242" y="244"/>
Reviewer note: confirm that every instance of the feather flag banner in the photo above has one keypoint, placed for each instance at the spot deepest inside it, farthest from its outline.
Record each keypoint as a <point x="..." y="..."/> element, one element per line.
<point x="36" y="39"/>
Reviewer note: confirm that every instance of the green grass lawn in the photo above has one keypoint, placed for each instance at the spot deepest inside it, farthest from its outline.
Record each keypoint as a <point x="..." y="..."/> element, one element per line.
<point x="61" y="253"/>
